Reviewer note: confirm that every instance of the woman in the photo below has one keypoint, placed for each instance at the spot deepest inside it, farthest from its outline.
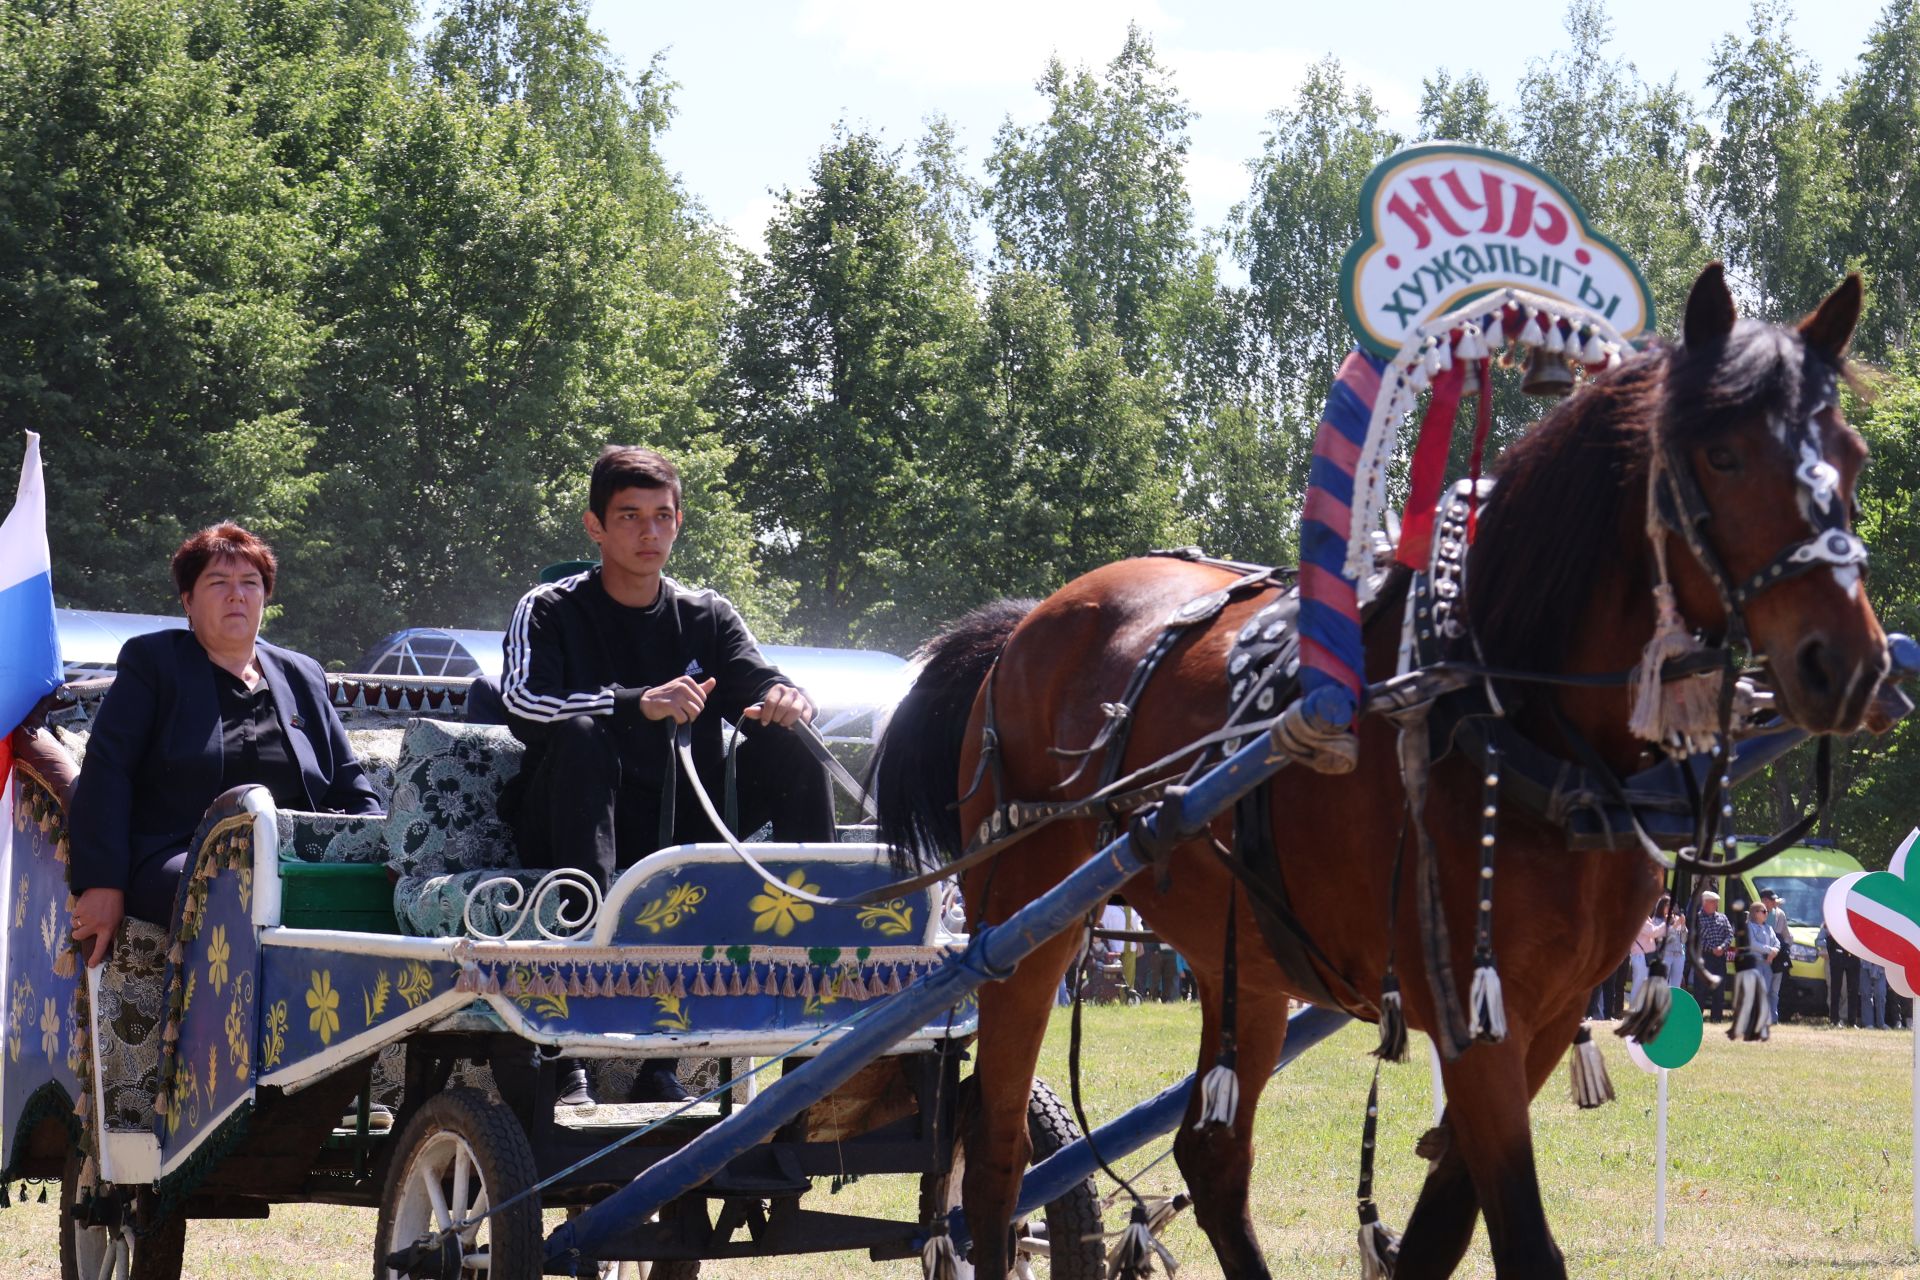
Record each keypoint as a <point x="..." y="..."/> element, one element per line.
<point x="192" y="714"/>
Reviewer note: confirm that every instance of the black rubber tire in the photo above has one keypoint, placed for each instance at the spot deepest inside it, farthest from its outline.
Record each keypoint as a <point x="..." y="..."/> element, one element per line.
<point x="1073" y="1221"/>
<point x="516" y="1241"/>
<point x="158" y="1255"/>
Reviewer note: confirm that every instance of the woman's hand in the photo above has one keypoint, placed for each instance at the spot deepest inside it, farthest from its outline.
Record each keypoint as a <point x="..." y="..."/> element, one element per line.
<point x="97" y="914"/>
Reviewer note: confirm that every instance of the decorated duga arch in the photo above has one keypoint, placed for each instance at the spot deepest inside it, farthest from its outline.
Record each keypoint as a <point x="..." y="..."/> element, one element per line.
<point x="1358" y="787"/>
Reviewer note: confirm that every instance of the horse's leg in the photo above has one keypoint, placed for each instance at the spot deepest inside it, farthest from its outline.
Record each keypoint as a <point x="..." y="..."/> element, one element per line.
<point x="997" y="1145"/>
<point x="1441" y="1226"/>
<point x="1217" y="1162"/>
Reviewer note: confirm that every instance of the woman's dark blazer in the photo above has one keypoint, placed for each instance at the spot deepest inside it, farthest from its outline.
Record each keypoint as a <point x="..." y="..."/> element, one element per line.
<point x="154" y="758"/>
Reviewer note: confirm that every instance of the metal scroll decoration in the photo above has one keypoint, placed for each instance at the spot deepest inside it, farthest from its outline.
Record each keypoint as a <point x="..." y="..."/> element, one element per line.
<point x="576" y="906"/>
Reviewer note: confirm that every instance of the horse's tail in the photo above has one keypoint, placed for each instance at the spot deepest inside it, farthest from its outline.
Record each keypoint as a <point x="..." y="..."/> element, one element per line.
<point x="915" y="781"/>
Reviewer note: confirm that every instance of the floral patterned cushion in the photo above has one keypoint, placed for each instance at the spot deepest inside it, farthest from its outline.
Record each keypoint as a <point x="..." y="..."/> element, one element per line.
<point x="379" y="753"/>
<point x="331" y="837"/>
<point x="435" y="906"/>
<point x="131" y="1015"/>
<point x="443" y="818"/>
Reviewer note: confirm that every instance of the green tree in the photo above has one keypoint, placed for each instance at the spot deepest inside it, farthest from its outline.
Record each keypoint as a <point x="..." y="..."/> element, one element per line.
<point x="150" y="253"/>
<point x="1880" y="116"/>
<point x="1095" y="195"/>
<point x="843" y="368"/>
<point x="1625" y="148"/>
<point x="1462" y="110"/>
<point x="1290" y="235"/>
<point x="1773" y="177"/>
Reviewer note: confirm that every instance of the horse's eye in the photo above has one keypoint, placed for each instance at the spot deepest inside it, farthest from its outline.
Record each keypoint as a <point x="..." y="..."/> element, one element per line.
<point x="1721" y="458"/>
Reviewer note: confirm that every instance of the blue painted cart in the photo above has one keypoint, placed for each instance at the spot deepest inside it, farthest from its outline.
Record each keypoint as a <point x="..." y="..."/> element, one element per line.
<point x="287" y="1043"/>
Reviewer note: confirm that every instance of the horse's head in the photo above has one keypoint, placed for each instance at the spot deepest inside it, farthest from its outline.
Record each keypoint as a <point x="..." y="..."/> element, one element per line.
<point x="1757" y="499"/>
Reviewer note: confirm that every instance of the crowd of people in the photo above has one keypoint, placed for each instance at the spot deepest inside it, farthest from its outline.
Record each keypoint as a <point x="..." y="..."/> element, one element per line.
<point x="1857" y="993"/>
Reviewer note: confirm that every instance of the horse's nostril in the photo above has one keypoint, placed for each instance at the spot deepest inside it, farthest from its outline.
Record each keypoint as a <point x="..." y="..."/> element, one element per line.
<point x="1815" y="664"/>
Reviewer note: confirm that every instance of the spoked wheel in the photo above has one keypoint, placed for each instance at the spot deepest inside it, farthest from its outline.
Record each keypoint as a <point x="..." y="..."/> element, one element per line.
<point x="461" y="1155"/>
<point x="90" y="1252"/>
<point x="1065" y="1242"/>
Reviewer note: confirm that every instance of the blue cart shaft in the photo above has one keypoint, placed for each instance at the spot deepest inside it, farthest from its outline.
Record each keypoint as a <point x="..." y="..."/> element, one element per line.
<point x="1066" y="1168"/>
<point x="993" y="954"/>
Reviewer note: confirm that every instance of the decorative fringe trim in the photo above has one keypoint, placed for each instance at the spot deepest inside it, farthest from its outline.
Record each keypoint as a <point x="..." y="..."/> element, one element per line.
<point x="700" y="987"/>
<point x="1379" y="1251"/>
<point x="1587" y="1073"/>
<point x="1685" y="710"/>
<point x="67" y="963"/>
<point x="1393" y="1023"/>
<point x="938" y="1261"/>
<point x="1219" y="1095"/>
<point x="1752" y="1006"/>
<point x="1132" y="1258"/>
<point x="1651" y="1005"/>
<point x="1484" y="999"/>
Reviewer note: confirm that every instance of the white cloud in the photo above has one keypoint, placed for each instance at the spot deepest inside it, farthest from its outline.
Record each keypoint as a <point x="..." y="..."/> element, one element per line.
<point x="749" y="223"/>
<point x="988" y="43"/>
<point x="1216" y="183"/>
<point x="1253" y="82"/>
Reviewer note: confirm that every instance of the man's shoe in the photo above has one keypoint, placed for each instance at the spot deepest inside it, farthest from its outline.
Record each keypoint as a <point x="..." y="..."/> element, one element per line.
<point x="659" y="1081"/>
<point x="570" y="1087"/>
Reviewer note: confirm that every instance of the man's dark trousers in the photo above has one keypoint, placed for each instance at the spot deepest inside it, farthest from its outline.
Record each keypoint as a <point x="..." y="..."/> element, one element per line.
<point x="594" y="804"/>
<point x="1715" y="996"/>
<point x="1843" y="967"/>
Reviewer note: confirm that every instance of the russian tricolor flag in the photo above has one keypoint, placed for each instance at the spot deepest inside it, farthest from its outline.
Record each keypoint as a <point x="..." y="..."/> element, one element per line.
<point x="29" y="642"/>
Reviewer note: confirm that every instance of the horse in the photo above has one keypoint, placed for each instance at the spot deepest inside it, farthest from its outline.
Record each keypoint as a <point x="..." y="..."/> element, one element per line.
<point x="1561" y="578"/>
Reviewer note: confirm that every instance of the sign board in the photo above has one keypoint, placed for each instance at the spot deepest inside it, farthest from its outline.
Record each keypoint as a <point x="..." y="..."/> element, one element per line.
<point x="1442" y="223"/>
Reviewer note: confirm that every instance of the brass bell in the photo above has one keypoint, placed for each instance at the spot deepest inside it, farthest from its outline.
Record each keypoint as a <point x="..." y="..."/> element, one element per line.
<point x="1547" y="375"/>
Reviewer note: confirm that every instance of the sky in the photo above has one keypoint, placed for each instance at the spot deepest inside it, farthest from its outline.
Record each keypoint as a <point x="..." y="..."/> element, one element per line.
<point x="762" y="83"/>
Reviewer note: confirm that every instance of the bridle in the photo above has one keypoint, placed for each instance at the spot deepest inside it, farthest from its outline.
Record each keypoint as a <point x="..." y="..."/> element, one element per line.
<point x="1679" y="506"/>
<point x="1682" y="508"/>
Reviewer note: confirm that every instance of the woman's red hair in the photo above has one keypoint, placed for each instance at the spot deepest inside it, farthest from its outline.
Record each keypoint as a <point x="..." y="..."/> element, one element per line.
<point x="222" y="541"/>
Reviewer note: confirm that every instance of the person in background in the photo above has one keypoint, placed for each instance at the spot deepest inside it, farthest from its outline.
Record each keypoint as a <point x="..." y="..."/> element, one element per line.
<point x="191" y="715"/>
<point x="1762" y="942"/>
<point x="1674" y="950"/>
<point x="1716" y="943"/>
<point x="1843" y="981"/>
<point x="1873" y="995"/>
<point x="1783" y="957"/>
<point x="1651" y="942"/>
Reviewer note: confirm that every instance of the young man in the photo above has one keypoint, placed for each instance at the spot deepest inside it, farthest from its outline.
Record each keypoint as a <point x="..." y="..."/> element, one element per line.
<point x="602" y="666"/>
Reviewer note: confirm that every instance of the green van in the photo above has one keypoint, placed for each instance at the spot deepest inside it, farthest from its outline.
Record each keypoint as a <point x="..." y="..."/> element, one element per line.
<point x="1800" y="875"/>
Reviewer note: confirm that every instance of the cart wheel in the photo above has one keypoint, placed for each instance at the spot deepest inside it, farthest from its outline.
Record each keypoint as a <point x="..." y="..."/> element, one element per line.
<point x="97" y="1253"/>
<point x="1070" y="1246"/>
<point x="461" y="1154"/>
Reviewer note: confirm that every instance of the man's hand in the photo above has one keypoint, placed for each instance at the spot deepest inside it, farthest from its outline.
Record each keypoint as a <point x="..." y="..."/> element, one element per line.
<point x="782" y="705"/>
<point x="97" y="915"/>
<point x="680" y="700"/>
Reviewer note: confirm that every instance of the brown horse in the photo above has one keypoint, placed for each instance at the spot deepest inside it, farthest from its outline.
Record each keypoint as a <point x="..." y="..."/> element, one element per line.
<point x="1560" y="581"/>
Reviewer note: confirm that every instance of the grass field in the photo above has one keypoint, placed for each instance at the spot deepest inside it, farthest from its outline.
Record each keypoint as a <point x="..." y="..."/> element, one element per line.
<point x="1789" y="1159"/>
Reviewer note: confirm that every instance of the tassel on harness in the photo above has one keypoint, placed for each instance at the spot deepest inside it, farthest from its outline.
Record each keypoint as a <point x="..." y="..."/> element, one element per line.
<point x="1587" y="1072"/>
<point x="1132" y="1258"/>
<point x="1752" y="1002"/>
<point x="1220" y="1090"/>
<point x="1651" y="1004"/>
<point x="1484" y="1000"/>
<point x="1379" y="1245"/>
<point x="1393" y="1022"/>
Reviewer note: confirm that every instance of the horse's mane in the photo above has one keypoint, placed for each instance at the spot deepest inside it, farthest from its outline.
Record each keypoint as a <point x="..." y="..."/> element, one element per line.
<point x="1557" y="522"/>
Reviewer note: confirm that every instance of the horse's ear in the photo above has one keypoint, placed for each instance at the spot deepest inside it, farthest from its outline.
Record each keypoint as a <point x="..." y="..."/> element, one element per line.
<point x="1710" y="312"/>
<point x="1830" y="327"/>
